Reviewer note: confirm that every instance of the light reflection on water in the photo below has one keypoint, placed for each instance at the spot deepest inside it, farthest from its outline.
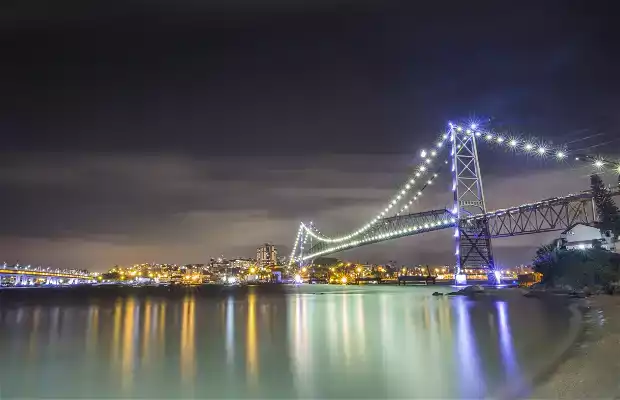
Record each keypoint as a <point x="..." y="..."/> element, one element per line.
<point x="312" y="342"/>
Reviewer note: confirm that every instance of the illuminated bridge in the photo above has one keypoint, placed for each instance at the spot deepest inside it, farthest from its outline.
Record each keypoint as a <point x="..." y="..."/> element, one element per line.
<point x="473" y="225"/>
<point x="25" y="275"/>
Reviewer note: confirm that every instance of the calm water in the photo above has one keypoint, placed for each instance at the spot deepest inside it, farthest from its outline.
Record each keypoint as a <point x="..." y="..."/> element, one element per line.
<point x="314" y="341"/>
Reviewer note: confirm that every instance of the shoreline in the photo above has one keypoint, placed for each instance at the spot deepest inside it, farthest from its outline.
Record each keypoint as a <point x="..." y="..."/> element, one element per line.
<point x="590" y="366"/>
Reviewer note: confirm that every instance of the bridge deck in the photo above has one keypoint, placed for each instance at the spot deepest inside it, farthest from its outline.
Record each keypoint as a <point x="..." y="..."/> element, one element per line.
<point x="554" y="214"/>
<point x="42" y="274"/>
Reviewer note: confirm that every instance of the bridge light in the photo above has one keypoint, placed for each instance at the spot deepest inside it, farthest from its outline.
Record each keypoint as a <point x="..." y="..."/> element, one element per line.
<point x="439" y="144"/>
<point x="444" y="136"/>
<point x="598" y="163"/>
<point x="618" y="169"/>
<point x="423" y="153"/>
<point x="417" y="174"/>
<point x="433" y="153"/>
<point x="429" y="181"/>
<point x="458" y="128"/>
<point x="403" y="192"/>
<point x="489" y="137"/>
<point x="542" y="150"/>
<point x="407" y="186"/>
<point x="528" y="146"/>
<point x="412" y="181"/>
<point x="422" y="168"/>
<point x="473" y="126"/>
<point x="560" y="155"/>
<point x="512" y="143"/>
<point x="500" y="139"/>
<point x="478" y="134"/>
<point x="468" y="131"/>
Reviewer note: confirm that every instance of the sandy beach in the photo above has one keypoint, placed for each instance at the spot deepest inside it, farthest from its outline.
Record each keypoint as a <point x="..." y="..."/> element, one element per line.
<point x="591" y="368"/>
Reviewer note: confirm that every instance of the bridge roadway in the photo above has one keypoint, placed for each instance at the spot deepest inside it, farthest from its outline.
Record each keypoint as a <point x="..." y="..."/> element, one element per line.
<point x="26" y="276"/>
<point x="554" y="214"/>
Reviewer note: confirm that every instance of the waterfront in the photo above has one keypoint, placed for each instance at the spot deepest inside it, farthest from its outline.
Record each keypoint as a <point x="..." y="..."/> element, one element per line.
<point x="310" y="341"/>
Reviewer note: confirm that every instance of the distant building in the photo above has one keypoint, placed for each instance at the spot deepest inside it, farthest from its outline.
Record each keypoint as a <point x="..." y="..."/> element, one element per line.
<point x="582" y="236"/>
<point x="267" y="254"/>
<point x="242" y="263"/>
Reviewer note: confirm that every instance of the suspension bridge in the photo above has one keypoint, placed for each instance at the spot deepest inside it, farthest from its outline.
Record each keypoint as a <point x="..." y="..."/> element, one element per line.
<point x="473" y="225"/>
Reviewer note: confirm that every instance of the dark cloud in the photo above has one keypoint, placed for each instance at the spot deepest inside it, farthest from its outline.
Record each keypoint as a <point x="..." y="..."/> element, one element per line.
<point x="176" y="131"/>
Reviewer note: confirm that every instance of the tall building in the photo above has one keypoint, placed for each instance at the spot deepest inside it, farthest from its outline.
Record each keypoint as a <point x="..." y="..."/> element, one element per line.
<point x="266" y="255"/>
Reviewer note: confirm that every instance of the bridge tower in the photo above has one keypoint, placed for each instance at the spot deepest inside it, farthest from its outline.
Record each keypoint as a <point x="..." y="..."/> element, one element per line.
<point x="473" y="241"/>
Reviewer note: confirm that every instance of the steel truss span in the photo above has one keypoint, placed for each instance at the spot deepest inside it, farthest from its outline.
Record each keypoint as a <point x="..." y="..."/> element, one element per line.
<point x="549" y="215"/>
<point x="555" y="214"/>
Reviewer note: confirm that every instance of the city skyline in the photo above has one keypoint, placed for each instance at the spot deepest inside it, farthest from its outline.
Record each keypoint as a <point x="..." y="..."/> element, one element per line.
<point x="191" y="131"/>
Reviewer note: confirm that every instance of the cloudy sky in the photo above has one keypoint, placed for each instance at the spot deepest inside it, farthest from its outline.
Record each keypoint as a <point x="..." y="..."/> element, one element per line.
<point x="176" y="131"/>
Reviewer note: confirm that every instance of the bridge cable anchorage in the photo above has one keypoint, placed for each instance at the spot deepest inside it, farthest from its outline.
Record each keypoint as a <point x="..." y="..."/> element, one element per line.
<point x="422" y="169"/>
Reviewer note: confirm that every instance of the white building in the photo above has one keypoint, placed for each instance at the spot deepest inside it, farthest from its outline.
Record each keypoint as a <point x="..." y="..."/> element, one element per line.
<point x="267" y="254"/>
<point x="582" y="236"/>
<point x="241" y="263"/>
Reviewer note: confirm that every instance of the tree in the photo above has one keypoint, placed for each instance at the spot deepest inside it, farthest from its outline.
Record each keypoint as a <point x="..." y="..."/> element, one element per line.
<point x="577" y="268"/>
<point x="546" y="261"/>
<point x="606" y="208"/>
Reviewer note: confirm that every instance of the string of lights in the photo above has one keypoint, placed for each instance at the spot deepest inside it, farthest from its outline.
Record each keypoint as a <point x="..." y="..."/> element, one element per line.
<point x="419" y="193"/>
<point x="353" y="243"/>
<point x="420" y="171"/>
<point x="514" y="143"/>
<point x="292" y="258"/>
<point x="540" y="148"/>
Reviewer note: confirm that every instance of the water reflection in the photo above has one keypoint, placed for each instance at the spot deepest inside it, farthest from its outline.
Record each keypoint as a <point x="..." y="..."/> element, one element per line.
<point x="92" y="330"/>
<point x="230" y="331"/>
<point x="345" y="342"/>
<point x="146" y="333"/>
<point x="188" y="343"/>
<point x="129" y="342"/>
<point x="506" y="343"/>
<point x="251" y="342"/>
<point x="469" y="364"/>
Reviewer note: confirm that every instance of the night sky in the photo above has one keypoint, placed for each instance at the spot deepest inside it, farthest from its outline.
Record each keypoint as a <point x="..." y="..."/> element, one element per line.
<point x="176" y="131"/>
